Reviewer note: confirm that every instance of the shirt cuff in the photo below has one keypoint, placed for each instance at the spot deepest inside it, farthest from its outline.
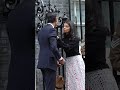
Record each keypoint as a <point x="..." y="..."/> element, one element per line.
<point x="57" y="37"/>
<point x="61" y="59"/>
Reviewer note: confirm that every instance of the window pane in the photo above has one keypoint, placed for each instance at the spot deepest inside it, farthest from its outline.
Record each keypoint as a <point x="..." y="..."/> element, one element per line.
<point x="75" y="16"/>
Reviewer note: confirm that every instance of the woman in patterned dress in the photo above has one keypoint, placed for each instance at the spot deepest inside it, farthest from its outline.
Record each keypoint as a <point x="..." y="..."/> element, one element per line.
<point x="75" y="68"/>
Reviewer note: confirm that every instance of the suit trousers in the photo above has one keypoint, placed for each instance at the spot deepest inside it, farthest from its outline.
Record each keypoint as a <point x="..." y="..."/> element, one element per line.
<point x="49" y="79"/>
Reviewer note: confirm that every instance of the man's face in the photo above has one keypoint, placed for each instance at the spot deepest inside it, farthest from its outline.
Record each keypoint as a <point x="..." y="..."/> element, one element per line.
<point x="56" y="22"/>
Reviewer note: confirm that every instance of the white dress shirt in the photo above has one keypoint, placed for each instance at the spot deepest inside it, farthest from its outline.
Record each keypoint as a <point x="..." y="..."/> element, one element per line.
<point x="51" y="24"/>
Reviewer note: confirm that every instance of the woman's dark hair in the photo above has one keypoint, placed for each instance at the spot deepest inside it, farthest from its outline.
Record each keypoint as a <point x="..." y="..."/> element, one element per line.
<point x="51" y="17"/>
<point x="72" y="28"/>
<point x="93" y="18"/>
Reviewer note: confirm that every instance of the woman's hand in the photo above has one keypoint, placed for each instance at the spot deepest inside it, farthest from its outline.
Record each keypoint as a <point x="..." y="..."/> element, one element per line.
<point x="83" y="50"/>
<point x="58" y="64"/>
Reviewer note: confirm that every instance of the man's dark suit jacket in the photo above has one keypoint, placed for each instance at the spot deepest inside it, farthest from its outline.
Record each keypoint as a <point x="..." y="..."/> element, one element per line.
<point x="49" y="53"/>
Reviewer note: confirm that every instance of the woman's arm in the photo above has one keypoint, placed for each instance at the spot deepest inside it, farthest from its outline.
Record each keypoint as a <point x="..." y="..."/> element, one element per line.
<point x="69" y="45"/>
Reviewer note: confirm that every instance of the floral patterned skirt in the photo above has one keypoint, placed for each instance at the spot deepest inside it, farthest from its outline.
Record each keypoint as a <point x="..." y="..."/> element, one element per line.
<point x="75" y="73"/>
<point x="100" y="80"/>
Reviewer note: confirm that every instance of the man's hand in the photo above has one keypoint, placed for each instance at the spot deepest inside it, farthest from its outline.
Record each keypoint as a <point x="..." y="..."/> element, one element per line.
<point x="62" y="61"/>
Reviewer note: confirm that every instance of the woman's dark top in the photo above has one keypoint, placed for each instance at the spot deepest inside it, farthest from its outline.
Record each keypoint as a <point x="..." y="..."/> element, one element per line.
<point x="70" y="45"/>
<point x="95" y="57"/>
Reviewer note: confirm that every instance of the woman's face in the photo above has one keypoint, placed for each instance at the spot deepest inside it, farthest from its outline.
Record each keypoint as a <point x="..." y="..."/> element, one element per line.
<point x="66" y="28"/>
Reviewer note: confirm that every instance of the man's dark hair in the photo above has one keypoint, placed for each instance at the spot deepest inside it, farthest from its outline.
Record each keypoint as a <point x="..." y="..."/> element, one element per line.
<point x="51" y="17"/>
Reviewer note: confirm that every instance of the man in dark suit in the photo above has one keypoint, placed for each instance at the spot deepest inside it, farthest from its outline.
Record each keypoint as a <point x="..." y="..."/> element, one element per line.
<point x="49" y="55"/>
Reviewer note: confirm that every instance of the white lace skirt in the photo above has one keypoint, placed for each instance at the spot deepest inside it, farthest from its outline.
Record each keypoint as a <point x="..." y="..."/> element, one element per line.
<point x="101" y="80"/>
<point x="75" y="73"/>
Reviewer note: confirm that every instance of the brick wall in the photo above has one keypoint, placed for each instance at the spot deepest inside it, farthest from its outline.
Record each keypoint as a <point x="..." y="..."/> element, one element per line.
<point x="62" y="5"/>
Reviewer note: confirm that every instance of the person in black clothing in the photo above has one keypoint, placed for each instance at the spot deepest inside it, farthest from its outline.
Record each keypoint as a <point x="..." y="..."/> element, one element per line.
<point x="75" y="68"/>
<point x="98" y="75"/>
